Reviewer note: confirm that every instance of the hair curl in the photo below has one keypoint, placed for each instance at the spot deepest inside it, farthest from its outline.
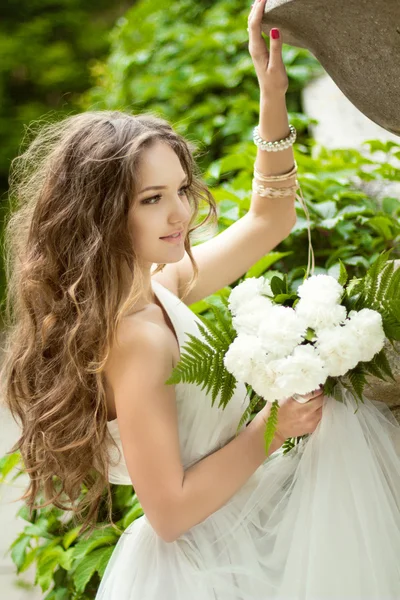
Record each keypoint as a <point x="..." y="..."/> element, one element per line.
<point x="65" y="243"/>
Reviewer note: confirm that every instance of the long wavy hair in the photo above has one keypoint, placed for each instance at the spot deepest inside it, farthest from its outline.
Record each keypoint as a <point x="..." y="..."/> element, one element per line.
<point x="66" y="239"/>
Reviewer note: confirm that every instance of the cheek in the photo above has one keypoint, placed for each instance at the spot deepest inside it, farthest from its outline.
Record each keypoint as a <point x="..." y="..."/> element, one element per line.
<point x="144" y="227"/>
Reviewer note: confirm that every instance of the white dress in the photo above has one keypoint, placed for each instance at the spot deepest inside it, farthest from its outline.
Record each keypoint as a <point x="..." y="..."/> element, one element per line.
<point x="322" y="521"/>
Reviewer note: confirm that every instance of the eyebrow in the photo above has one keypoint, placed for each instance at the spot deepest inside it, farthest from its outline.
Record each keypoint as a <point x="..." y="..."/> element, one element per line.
<point x="160" y="187"/>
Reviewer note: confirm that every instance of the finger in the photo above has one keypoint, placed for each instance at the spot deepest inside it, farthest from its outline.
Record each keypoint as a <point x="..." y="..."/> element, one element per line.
<point x="314" y="393"/>
<point x="316" y="403"/>
<point x="275" y="49"/>
<point x="258" y="47"/>
<point x="256" y="15"/>
<point x="251" y="12"/>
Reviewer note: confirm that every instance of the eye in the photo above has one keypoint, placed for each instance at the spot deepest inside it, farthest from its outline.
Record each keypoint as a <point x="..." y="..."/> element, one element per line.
<point x="158" y="196"/>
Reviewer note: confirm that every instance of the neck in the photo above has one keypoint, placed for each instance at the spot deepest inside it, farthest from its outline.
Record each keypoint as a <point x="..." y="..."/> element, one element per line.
<point x="146" y="296"/>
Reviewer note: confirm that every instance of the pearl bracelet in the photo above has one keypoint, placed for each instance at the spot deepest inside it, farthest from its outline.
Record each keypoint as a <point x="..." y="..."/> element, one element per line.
<point x="274" y="146"/>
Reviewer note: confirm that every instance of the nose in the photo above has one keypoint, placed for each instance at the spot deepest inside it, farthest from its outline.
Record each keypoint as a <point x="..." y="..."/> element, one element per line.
<point x="180" y="213"/>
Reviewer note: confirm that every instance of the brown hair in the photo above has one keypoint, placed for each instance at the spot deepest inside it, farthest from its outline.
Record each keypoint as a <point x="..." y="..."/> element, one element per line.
<point x="65" y="243"/>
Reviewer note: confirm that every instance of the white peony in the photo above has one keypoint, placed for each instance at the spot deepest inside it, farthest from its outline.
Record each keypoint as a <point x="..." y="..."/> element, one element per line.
<point x="250" y="315"/>
<point x="246" y="291"/>
<point x="241" y="355"/>
<point x="301" y="372"/>
<point x="281" y="330"/>
<point x="367" y="328"/>
<point x="321" y="289"/>
<point x="338" y="349"/>
<point x="320" y="316"/>
<point x="262" y="378"/>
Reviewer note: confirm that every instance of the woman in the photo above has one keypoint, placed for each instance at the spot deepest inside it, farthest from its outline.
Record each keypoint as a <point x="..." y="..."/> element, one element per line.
<point x="104" y="196"/>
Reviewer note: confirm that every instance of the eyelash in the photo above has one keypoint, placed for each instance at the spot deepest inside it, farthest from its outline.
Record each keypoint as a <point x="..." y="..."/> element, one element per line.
<point x="147" y="200"/>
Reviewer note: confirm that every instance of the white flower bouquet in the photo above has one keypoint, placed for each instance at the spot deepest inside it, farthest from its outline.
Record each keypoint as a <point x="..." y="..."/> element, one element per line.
<point x="280" y="343"/>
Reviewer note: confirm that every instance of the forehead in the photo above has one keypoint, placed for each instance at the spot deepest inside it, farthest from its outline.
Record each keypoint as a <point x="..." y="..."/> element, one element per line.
<point x="160" y="162"/>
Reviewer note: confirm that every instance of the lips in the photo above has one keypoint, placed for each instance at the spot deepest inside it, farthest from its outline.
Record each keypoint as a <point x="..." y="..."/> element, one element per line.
<point x="171" y="234"/>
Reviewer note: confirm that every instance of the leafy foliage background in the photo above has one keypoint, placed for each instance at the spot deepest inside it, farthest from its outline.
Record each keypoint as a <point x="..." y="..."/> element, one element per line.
<point x="188" y="62"/>
<point x="47" y="49"/>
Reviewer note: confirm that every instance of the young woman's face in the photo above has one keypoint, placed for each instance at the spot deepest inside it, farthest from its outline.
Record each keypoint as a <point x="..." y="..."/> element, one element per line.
<point x="157" y="213"/>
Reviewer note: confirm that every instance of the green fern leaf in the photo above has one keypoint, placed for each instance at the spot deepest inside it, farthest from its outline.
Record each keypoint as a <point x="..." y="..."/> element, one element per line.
<point x="288" y="445"/>
<point x="381" y="361"/>
<point x="227" y="332"/>
<point x="372" y="369"/>
<point x="386" y="277"/>
<point x="271" y="425"/>
<point x="371" y="281"/>
<point x="391" y="325"/>
<point x="358" y="381"/>
<point x="247" y="413"/>
<point x="228" y="386"/>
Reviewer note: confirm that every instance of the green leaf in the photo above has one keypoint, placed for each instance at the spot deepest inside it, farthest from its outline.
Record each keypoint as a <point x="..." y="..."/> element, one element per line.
<point x="390" y="205"/>
<point x="133" y="513"/>
<point x="357" y="380"/>
<point x="265" y="263"/>
<point x="19" y="549"/>
<point x="271" y="425"/>
<point x="343" y="276"/>
<point x="7" y="464"/>
<point x="39" y="529"/>
<point x="381" y="361"/>
<point x="70" y="536"/>
<point x="29" y="558"/>
<point x="201" y="361"/>
<point x="23" y="512"/>
<point x="383" y="225"/>
<point x="105" y="557"/>
<point x="281" y="298"/>
<point x="66" y="559"/>
<point x="47" y="562"/>
<point x="89" y="565"/>
<point x="98" y="538"/>
<point x="252" y="404"/>
<point x="278" y="286"/>
<point x="58" y="594"/>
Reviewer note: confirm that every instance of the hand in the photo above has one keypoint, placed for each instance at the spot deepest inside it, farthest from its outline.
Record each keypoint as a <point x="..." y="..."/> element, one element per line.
<point x="269" y="66"/>
<point x="295" y="419"/>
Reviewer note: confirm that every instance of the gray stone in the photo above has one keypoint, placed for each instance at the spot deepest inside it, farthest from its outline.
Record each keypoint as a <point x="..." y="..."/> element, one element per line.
<point x="356" y="41"/>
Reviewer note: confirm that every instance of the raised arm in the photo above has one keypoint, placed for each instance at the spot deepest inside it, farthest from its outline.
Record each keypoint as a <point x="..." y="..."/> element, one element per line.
<point x="172" y="499"/>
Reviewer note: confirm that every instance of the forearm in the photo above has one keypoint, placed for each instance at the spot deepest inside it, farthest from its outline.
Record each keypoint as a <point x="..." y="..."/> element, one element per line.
<point x="210" y="483"/>
<point x="274" y="126"/>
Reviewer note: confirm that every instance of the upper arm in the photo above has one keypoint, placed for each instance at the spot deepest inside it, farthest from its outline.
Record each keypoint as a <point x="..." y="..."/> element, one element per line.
<point x="229" y="255"/>
<point x="147" y="420"/>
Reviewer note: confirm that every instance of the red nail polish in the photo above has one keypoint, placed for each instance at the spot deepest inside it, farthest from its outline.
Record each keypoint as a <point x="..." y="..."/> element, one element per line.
<point x="275" y="34"/>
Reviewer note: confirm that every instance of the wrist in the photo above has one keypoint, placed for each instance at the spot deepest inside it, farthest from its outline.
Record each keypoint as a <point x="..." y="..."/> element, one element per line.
<point x="269" y="98"/>
<point x="260" y="422"/>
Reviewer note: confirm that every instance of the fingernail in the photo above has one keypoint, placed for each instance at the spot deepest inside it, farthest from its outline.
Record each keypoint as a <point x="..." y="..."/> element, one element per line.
<point x="275" y="34"/>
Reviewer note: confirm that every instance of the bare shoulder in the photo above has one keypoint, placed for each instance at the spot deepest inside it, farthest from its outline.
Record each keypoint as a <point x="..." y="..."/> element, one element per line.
<point x="142" y="346"/>
<point x="138" y="339"/>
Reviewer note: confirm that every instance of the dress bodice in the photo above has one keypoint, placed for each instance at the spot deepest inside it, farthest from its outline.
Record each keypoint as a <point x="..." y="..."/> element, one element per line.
<point x="202" y="428"/>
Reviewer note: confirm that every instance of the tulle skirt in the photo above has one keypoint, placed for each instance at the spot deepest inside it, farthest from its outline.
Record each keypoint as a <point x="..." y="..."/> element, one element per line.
<point x="322" y="521"/>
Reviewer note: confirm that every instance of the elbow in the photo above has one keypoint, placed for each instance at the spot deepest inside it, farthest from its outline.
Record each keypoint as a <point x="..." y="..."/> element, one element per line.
<point x="167" y="526"/>
<point x="169" y="537"/>
<point x="168" y="532"/>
